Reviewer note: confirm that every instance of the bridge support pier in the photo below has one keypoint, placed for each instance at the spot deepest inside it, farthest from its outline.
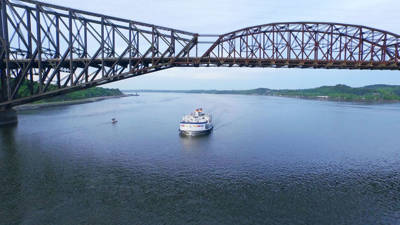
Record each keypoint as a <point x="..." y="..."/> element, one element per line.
<point x="8" y="116"/>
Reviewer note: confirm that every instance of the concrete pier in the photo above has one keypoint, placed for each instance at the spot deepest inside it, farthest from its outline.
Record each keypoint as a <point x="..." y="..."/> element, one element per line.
<point x="8" y="116"/>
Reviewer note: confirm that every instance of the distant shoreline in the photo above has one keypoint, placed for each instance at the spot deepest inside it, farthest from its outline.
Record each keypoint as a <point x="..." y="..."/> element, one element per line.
<point x="373" y="94"/>
<point x="66" y="103"/>
<point x="337" y="100"/>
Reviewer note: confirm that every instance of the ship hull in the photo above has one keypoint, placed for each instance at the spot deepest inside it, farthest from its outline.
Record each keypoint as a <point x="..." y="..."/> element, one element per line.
<point x="195" y="132"/>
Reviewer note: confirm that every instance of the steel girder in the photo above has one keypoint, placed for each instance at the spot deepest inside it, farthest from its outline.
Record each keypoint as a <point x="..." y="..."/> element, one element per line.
<point x="48" y="50"/>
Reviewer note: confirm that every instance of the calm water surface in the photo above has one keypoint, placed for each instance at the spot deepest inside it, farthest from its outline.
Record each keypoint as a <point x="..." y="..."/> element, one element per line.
<point x="269" y="161"/>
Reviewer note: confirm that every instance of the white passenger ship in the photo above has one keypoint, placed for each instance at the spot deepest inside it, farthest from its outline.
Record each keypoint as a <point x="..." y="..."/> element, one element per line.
<point x="197" y="123"/>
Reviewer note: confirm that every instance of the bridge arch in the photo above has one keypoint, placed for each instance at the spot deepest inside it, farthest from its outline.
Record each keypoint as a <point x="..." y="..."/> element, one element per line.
<point x="307" y="44"/>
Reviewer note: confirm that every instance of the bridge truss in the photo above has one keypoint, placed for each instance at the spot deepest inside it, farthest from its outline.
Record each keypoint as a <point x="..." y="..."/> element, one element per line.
<point x="48" y="50"/>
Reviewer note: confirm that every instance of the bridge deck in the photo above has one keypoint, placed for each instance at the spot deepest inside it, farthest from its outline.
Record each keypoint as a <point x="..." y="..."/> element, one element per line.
<point x="211" y="62"/>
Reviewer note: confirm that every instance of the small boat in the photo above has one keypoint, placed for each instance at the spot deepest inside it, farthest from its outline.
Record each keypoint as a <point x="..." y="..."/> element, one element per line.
<point x="196" y="123"/>
<point x="114" y="121"/>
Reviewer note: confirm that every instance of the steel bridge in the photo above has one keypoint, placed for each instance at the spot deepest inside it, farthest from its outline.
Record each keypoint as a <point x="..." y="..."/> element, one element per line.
<point x="48" y="50"/>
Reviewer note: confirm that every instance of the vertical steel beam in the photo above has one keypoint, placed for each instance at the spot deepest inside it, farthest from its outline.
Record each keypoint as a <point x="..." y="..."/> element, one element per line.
<point x="371" y="51"/>
<point x="384" y="50"/>
<point x="130" y="46"/>
<point x="316" y="46"/>
<point x="240" y="47"/>
<point x="247" y="46"/>
<point x="172" y="46"/>
<point x="7" y="50"/>
<point x="340" y="47"/>
<point x="273" y="44"/>
<point x="289" y="43"/>
<point x="71" y="52"/>
<point x="345" y="45"/>
<point x="3" y="87"/>
<point x="137" y="47"/>
<point x="29" y="56"/>
<point x="113" y="48"/>
<point x="6" y="56"/>
<point x="195" y="42"/>
<point x="234" y="51"/>
<point x="102" y="47"/>
<point x="113" y="41"/>
<point x="303" y="47"/>
<point x="263" y="45"/>
<point x="331" y="45"/>
<point x="85" y="50"/>
<point x="58" y="55"/>
<point x="259" y="48"/>
<point x="218" y="47"/>
<point x="360" y="45"/>
<point x="3" y="71"/>
<point x="152" y="45"/>
<point x="222" y="50"/>
<point x="39" y="48"/>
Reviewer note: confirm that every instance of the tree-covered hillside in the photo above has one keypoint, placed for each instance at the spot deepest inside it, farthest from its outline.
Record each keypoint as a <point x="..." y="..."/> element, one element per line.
<point x="84" y="94"/>
<point x="24" y="91"/>
<point x="346" y="93"/>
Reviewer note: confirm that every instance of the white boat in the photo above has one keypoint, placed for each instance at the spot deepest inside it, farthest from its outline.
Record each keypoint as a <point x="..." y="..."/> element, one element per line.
<point x="197" y="123"/>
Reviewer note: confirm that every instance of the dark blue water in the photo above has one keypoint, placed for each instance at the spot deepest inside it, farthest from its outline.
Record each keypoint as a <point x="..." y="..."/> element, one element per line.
<point x="268" y="161"/>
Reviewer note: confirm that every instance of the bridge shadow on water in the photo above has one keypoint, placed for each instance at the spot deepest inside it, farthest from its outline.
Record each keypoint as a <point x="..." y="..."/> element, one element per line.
<point x="11" y="176"/>
<point x="7" y="138"/>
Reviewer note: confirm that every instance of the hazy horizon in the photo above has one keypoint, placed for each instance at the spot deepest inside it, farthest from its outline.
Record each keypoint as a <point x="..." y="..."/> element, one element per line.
<point x="248" y="89"/>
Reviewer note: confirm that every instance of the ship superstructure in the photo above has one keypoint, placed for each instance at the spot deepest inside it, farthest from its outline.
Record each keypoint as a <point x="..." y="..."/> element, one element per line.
<point x="196" y="123"/>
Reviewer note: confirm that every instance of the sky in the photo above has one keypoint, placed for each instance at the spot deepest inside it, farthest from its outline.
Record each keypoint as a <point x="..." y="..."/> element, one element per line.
<point x="223" y="16"/>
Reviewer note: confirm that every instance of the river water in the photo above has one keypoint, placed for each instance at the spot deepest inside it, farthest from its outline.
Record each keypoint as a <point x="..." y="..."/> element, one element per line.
<point x="269" y="160"/>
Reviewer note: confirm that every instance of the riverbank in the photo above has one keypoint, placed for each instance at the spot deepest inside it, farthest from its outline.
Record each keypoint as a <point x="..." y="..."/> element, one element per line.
<point x="65" y="103"/>
<point x="317" y="98"/>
